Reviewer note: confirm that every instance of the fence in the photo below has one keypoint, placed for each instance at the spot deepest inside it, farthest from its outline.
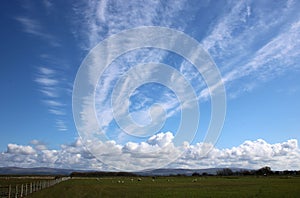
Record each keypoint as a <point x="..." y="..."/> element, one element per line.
<point x="22" y="190"/>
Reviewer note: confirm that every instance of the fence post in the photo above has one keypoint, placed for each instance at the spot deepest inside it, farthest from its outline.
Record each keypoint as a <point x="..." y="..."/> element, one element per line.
<point x="21" y="194"/>
<point x="16" y="193"/>
<point x="9" y="191"/>
<point x="30" y="188"/>
<point x="26" y="186"/>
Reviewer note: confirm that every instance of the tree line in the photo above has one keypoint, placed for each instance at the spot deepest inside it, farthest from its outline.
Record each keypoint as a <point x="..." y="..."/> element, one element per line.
<point x="102" y="174"/>
<point x="264" y="171"/>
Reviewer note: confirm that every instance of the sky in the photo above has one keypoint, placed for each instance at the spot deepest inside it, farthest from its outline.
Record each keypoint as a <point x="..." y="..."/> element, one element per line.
<point x="254" y="45"/>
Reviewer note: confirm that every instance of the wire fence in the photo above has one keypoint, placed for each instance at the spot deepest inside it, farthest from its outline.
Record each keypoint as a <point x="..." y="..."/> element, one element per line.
<point x="22" y="190"/>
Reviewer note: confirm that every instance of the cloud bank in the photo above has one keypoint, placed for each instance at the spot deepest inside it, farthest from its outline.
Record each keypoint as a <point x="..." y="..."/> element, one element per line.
<point x="250" y="154"/>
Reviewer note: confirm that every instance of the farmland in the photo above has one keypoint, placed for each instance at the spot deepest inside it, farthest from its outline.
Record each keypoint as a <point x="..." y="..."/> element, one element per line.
<point x="273" y="186"/>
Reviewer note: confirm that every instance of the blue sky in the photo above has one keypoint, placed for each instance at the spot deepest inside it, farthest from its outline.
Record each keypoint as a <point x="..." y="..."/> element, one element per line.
<point x="255" y="45"/>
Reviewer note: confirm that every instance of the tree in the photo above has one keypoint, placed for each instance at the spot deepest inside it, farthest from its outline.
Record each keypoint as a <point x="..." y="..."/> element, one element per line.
<point x="264" y="171"/>
<point x="225" y="172"/>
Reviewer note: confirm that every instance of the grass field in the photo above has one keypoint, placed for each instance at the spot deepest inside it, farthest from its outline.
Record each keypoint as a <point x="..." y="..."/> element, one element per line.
<point x="176" y="187"/>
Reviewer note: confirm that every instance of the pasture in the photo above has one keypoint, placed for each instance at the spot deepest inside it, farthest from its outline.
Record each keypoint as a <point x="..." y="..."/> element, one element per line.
<point x="175" y="187"/>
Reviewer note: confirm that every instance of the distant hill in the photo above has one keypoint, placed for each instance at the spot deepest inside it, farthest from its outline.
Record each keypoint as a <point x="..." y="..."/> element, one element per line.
<point x="34" y="171"/>
<point x="188" y="172"/>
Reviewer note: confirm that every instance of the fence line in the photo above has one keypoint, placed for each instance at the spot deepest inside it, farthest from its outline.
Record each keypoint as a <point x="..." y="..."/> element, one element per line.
<point x="22" y="190"/>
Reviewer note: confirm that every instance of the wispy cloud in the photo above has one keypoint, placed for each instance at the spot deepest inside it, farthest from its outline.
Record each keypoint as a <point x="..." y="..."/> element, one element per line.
<point x="50" y="87"/>
<point x="99" y="19"/>
<point x="46" y="78"/>
<point x="49" y="78"/>
<point x="244" y="40"/>
<point x="282" y="49"/>
<point x="53" y="103"/>
<point x="61" y="125"/>
<point x="35" y="28"/>
<point x="47" y="81"/>
<point x="48" y="4"/>
<point x="49" y="91"/>
<point x="249" y="40"/>
<point x="104" y="18"/>
<point x="30" y="26"/>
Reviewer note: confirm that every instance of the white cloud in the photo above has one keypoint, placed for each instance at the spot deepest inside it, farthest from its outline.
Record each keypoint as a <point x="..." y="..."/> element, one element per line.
<point x="19" y="149"/>
<point x="38" y="145"/>
<point x="250" y="154"/>
<point x="161" y="139"/>
<point x="159" y="148"/>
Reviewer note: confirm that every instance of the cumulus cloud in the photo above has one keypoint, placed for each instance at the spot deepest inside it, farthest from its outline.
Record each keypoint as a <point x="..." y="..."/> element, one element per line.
<point x="38" y="145"/>
<point x="250" y="154"/>
<point x="157" y="150"/>
<point x="161" y="139"/>
<point x="19" y="149"/>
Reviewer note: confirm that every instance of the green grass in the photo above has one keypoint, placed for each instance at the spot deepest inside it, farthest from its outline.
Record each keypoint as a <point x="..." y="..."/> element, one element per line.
<point x="176" y="187"/>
